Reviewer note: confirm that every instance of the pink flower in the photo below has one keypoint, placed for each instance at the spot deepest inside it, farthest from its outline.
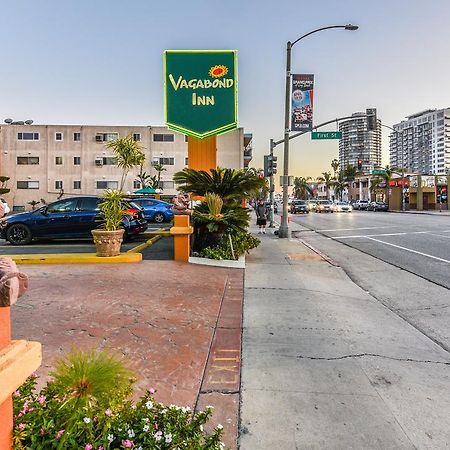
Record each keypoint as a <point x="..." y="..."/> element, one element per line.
<point x="59" y="434"/>
<point x="21" y="426"/>
<point x="127" y="443"/>
<point x="42" y="432"/>
<point x="88" y="447"/>
<point x="108" y="413"/>
<point x="17" y="394"/>
<point x="155" y="426"/>
<point x="100" y="448"/>
<point x="152" y="391"/>
<point x="41" y="399"/>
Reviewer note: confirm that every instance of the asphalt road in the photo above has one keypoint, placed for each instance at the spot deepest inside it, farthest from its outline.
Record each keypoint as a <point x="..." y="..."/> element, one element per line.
<point x="417" y="243"/>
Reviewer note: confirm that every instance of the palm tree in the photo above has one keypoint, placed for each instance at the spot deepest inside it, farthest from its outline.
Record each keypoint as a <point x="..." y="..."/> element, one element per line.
<point x="340" y="184"/>
<point x="128" y="154"/>
<point x="232" y="185"/>
<point x="143" y="177"/>
<point x="335" y="166"/>
<point x="159" y="168"/>
<point x="350" y="173"/>
<point x="328" y="180"/>
<point x="302" y="188"/>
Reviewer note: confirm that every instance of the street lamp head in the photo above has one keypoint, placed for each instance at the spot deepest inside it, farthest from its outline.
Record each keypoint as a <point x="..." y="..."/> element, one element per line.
<point x="351" y="27"/>
<point x="8" y="121"/>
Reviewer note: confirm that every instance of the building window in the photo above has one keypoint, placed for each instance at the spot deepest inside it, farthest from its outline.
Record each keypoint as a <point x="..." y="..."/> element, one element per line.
<point x="107" y="184"/>
<point x="26" y="160"/>
<point x="106" y="137"/>
<point x="58" y="136"/>
<point x="58" y="184"/>
<point x="109" y="161"/>
<point x="137" y="137"/>
<point x="166" y="184"/>
<point x="77" y="137"/>
<point x="76" y="160"/>
<point x="58" y="160"/>
<point x="186" y="161"/>
<point x="28" y="136"/>
<point x="163" y="137"/>
<point x="164" y="161"/>
<point x="185" y="138"/>
<point x="28" y="185"/>
<point x="77" y="184"/>
<point x="136" y="184"/>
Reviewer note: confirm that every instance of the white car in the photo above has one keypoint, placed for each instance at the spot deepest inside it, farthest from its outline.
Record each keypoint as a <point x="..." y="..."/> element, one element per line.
<point x="6" y="208"/>
<point x="342" y="207"/>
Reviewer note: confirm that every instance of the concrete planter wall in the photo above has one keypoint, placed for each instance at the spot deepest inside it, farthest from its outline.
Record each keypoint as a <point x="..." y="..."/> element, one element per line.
<point x="239" y="264"/>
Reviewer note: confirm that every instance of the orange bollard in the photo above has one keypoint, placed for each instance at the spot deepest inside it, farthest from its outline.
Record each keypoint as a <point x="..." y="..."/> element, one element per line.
<point x="6" y="409"/>
<point x="181" y="232"/>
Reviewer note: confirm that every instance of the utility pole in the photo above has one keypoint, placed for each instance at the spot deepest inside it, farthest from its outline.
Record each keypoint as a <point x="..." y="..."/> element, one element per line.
<point x="271" y="187"/>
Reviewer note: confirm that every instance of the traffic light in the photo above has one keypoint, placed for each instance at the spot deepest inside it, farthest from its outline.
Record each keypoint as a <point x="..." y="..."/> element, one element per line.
<point x="371" y="119"/>
<point x="360" y="163"/>
<point x="270" y="165"/>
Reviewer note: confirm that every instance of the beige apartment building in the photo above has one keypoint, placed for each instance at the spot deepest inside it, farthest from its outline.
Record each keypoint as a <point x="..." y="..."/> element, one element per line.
<point x="43" y="161"/>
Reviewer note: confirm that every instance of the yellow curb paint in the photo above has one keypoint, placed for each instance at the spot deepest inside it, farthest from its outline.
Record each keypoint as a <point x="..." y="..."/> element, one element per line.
<point x="76" y="258"/>
<point x="139" y="248"/>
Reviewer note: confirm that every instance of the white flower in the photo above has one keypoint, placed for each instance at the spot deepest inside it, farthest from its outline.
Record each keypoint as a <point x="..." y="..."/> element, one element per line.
<point x="220" y="426"/>
<point x="110" y="438"/>
<point x="158" y="436"/>
<point x="131" y="434"/>
<point x="209" y="407"/>
<point x="149" y="405"/>
<point x="222" y="445"/>
<point x="146" y="428"/>
<point x="201" y="427"/>
<point x="139" y="448"/>
<point x="87" y="420"/>
<point x="168" y="438"/>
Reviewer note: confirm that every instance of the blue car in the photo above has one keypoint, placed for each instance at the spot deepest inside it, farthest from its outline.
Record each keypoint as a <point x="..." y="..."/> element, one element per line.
<point x="155" y="210"/>
<point x="65" y="219"/>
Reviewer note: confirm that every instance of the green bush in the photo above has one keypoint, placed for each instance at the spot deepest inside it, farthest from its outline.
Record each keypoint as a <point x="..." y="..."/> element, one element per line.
<point x="241" y="242"/>
<point x="87" y="407"/>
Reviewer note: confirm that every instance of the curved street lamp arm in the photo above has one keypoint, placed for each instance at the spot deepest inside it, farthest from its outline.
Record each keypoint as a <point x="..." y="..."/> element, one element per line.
<point x="349" y="27"/>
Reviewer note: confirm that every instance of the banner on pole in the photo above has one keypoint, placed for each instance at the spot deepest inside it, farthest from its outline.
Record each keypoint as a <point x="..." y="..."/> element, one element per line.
<point x="302" y="102"/>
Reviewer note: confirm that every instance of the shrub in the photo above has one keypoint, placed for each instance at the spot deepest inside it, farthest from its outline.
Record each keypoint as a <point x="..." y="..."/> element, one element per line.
<point x="241" y="242"/>
<point x="87" y="407"/>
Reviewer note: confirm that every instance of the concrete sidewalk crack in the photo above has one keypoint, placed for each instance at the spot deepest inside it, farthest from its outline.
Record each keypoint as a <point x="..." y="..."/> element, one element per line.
<point x="361" y="355"/>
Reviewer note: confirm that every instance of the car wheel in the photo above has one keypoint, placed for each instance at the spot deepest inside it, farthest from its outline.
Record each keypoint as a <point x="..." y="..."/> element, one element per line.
<point x="19" y="234"/>
<point x="159" y="218"/>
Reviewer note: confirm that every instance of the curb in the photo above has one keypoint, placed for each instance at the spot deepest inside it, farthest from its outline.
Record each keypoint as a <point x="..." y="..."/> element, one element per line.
<point x="439" y="214"/>
<point x="75" y="258"/>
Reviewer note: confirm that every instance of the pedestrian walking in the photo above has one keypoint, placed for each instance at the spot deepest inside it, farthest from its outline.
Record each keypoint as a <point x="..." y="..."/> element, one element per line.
<point x="261" y="216"/>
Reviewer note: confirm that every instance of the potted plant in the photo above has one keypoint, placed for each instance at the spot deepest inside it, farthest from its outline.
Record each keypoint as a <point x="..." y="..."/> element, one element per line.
<point x="108" y="238"/>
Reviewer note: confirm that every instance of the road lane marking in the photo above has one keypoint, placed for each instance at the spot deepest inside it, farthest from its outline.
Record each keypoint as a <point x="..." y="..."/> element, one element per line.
<point x="356" y="229"/>
<point x="410" y="250"/>
<point x="379" y="235"/>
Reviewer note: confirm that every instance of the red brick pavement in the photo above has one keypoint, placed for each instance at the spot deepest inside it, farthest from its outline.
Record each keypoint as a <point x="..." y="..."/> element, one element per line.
<point x="177" y="325"/>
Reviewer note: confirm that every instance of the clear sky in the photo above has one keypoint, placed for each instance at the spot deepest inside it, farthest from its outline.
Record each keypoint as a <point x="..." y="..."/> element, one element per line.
<point x="100" y="61"/>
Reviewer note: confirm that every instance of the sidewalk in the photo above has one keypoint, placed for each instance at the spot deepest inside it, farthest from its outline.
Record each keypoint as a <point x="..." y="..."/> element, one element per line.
<point x="327" y="366"/>
<point x="428" y="212"/>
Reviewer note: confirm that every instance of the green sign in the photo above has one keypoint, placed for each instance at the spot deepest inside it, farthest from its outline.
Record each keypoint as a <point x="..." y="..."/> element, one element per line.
<point x="378" y="172"/>
<point x="326" y="135"/>
<point x="200" y="91"/>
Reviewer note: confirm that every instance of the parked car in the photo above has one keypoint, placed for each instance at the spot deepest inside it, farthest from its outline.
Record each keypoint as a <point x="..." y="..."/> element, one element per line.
<point x="324" y="206"/>
<point x="342" y="207"/>
<point x="275" y="207"/>
<point x="155" y="210"/>
<point x="299" y="206"/>
<point x="361" y="204"/>
<point x="377" y="206"/>
<point x="65" y="219"/>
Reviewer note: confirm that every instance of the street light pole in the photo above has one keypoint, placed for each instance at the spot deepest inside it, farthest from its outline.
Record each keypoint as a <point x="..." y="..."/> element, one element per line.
<point x="271" y="187"/>
<point x="284" y="228"/>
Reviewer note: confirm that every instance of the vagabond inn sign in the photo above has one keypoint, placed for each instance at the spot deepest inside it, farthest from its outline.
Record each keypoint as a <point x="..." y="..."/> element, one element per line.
<point x="200" y="91"/>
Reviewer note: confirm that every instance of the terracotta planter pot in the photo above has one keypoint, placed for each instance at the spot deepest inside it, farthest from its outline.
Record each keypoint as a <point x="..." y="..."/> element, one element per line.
<point x="107" y="243"/>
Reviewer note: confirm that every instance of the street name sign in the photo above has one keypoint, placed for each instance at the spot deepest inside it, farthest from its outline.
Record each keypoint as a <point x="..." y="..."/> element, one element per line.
<point x="326" y="135"/>
<point x="200" y="91"/>
<point x="378" y="172"/>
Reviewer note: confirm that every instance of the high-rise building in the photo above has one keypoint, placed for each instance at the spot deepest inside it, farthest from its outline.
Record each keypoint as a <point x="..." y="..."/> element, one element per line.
<point x="358" y="144"/>
<point x="421" y="143"/>
<point x="46" y="161"/>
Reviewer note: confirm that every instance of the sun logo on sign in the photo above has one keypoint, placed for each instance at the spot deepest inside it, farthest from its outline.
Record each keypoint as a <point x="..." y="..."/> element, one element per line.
<point x="218" y="71"/>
